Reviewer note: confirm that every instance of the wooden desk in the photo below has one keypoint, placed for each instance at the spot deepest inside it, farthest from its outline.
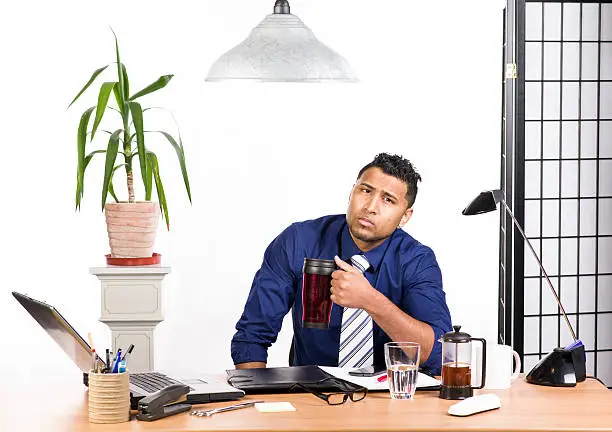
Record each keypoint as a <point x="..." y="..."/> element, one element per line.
<point x="61" y="405"/>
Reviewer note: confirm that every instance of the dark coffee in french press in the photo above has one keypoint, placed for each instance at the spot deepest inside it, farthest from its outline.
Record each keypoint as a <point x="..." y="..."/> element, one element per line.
<point x="457" y="365"/>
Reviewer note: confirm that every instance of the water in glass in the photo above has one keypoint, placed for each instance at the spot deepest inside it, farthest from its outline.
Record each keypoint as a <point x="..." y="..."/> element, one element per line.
<point x="402" y="380"/>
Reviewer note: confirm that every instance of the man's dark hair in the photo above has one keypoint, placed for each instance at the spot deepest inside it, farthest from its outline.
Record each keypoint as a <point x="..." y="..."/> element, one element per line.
<point x="399" y="168"/>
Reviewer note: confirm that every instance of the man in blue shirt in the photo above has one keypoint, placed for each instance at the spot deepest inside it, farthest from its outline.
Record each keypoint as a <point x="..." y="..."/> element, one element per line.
<point x="401" y="290"/>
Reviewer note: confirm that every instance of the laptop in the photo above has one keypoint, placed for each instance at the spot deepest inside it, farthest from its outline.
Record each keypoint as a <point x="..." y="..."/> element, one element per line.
<point x="203" y="390"/>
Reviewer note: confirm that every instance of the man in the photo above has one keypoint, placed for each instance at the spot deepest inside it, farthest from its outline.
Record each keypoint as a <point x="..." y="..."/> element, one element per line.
<point x="400" y="289"/>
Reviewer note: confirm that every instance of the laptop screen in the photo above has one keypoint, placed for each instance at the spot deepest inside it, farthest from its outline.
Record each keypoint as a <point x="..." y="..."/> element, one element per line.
<point x="59" y="329"/>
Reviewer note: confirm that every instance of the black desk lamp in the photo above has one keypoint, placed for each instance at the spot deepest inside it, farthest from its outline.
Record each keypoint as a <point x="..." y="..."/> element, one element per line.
<point x="562" y="367"/>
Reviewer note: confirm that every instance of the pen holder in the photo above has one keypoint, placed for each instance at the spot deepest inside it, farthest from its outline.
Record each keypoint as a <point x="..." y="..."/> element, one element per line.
<point x="109" y="397"/>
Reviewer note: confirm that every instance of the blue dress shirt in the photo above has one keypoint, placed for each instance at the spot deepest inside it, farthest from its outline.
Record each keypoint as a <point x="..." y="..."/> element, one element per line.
<point x="402" y="269"/>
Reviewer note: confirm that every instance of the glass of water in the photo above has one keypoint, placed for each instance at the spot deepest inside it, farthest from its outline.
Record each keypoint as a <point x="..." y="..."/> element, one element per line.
<point x="402" y="360"/>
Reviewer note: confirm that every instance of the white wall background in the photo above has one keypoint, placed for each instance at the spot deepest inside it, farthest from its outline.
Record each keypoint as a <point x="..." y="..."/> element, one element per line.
<point x="260" y="156"/>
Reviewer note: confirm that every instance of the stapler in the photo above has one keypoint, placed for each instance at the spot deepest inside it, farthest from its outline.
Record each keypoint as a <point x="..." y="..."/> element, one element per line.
<point x="158" y="405"/>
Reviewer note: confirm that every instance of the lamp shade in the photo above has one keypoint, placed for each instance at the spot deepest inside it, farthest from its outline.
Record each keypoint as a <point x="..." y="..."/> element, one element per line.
<point x="483" y="203"/>
<point x="281" y="48"/>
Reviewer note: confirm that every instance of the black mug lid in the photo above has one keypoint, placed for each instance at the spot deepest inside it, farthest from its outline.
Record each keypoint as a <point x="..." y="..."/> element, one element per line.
<point x="320" y="262"/>
<point x="319" y="266"/>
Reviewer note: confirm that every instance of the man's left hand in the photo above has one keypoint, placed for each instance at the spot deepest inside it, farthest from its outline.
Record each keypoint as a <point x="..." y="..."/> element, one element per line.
<point x="349" y="287"/>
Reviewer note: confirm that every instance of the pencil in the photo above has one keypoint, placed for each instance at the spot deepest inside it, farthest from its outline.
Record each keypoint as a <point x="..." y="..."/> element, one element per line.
<point x="91" y="344"/>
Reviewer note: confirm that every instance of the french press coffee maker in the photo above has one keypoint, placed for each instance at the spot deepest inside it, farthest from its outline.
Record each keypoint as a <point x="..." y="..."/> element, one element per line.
<point x="457" y="364"/>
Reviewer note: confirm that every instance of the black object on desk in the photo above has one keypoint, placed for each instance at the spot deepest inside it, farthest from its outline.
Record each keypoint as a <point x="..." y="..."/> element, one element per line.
<point x="367" y="371"/>
<point x="158" y="405"/>
<point x="278" y="379"/>
<point x="562" y="367"/>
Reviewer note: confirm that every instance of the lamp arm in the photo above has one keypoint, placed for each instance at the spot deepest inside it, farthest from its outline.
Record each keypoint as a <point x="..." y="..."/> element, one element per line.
<point x="541" y="267"/>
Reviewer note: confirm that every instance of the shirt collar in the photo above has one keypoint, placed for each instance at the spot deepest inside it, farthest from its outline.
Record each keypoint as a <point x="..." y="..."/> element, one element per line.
<point x="374" y="256"/>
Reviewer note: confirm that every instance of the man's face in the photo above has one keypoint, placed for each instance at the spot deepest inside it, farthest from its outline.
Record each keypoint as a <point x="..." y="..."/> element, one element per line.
<point x="377" y="206"/>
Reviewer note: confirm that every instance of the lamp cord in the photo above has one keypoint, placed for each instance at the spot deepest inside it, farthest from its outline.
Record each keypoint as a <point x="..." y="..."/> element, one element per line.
<point x="541" y="267"/>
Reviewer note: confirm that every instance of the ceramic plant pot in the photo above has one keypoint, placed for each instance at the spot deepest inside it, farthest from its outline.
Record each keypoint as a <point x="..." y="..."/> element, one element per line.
<point x="131" y="228"/>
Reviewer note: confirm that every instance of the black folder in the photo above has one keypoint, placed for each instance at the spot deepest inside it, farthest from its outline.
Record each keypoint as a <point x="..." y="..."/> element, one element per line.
<point x="280" y="379"/>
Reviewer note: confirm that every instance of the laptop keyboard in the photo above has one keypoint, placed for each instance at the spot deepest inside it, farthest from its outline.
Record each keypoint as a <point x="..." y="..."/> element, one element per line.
<point x="152" y="381"/>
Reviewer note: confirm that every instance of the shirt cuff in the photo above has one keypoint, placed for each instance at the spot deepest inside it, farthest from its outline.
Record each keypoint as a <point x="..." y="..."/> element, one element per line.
<point x="244" y="352"/>
<point x="434" y="361"/>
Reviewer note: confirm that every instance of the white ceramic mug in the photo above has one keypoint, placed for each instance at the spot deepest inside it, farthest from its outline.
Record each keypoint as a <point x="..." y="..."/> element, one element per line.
<point x="499" y="367"/>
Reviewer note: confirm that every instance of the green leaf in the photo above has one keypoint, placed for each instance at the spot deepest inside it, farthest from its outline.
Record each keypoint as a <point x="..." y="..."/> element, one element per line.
<point x="148" y="179"/>
<point x="91" y="80"/>
<point x="108" y="133"/>
<point x="111" y="155"/>
<point x="161" y="196"/>
<point x="79" y="194"/>
<point x="161" y="82"/>
<point x="81" y="140"/>
<point x="126" y="82"/>
<point x="119" y="71"/>
<point x="126" y="91"/>
<point x="91" y="155"/>
<point x="105" y="90"/>
<point x="81" y="189"/>
<point x="178" y="147"/>
<point x="117" y="167"/>
<point x="111" y="189"/>
<point x="118" y="99"/>
<point x="136" y="110"/>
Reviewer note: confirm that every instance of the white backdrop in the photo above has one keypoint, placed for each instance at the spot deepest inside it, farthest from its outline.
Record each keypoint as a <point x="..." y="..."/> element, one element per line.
<point x="260" y="156"/>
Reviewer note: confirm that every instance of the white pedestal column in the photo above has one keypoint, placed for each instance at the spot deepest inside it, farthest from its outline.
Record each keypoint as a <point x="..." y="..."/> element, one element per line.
<point x="132" y="305"/>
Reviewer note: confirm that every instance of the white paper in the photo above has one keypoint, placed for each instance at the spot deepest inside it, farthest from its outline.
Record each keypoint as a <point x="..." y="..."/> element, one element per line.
<point x="267" y="407"/>
<point x="371" y="383"/>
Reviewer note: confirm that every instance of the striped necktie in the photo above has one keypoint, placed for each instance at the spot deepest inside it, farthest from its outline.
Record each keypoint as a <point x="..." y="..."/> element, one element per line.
<point x="356" y="343"/>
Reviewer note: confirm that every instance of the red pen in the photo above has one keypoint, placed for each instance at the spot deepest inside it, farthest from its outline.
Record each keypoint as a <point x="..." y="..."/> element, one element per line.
<point x="382" y="378"/>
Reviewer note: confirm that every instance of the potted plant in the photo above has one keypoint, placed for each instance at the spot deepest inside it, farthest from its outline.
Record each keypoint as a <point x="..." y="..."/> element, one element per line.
<point x="131" y="224"/>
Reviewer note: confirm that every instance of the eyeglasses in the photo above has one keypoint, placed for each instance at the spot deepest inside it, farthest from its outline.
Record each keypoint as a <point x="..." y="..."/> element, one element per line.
<point x="354" y="392"/>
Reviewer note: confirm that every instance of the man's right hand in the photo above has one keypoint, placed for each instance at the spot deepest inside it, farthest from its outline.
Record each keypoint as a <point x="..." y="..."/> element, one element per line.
<point x="250" y="365"/>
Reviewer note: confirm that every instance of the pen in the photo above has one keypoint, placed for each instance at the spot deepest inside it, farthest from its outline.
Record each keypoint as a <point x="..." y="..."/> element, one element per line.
<point x="107" y="368"/>
<point x="382" y="378"/>
<point x="116" y="361"/>
<point x="94" y="363"/>
<point x="208" y="413"/>
<point x="128" y="352"/>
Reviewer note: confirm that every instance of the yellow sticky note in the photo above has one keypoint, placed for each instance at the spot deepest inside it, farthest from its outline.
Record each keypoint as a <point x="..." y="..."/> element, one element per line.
<point x="268" y="407"/>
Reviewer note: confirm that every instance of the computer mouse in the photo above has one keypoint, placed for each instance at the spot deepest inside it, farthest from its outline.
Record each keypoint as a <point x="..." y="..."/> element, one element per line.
<point x="475" y="404"/>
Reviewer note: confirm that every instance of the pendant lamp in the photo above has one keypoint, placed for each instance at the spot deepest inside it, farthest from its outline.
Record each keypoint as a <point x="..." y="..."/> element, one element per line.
<point x="281" y="49"/>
